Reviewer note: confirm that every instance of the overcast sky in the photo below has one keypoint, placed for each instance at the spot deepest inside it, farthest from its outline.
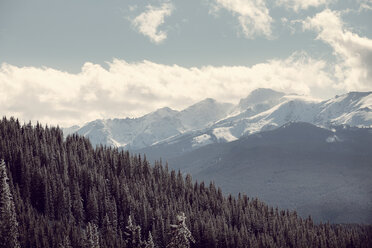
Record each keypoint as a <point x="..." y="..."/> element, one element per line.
<point x="70" y="61"/>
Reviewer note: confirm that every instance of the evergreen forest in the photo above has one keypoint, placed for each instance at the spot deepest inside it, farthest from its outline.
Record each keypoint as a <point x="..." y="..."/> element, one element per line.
<point x="58" y="192"/>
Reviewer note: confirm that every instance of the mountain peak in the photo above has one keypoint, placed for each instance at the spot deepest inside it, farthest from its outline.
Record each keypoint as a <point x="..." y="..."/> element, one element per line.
<point x="206" y="101"/>
<point x="359" y="93"/>
<point x="258" y="96"/>
<point x="164" y="111"/>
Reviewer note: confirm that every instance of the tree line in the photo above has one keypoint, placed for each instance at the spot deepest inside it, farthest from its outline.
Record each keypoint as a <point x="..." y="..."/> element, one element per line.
<point x="58" y="192"/>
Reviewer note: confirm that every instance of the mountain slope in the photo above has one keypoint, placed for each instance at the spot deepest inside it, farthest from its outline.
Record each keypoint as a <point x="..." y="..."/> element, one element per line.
<point x="354" y="109"/>
<point x="313" y="170"/>
<point x="203" y="113"/>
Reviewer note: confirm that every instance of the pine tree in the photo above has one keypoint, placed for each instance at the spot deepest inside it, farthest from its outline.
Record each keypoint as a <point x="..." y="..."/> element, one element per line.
<point x="180" y="234"/>
<point x="8" y="220"/>
<point x="133" y="234"/>
<point x="65" y="243"/>
<point x="107" y="233"/>
<point x="150" y="242"/>
<point x="91" y="236"/>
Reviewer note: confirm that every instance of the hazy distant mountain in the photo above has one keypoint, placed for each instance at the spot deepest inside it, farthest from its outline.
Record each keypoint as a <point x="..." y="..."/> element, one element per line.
<point x="260" y="100"/>
<point x="70" y="130"/>
<point x="352" y="109"/>
<point x="154" y="127"/>
<point x="209" y="121"/>
<point x="300" y="166"/>
<point x="138" y="132"/>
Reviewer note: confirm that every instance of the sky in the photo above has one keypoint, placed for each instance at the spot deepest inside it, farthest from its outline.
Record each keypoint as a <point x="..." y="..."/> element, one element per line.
<point x="66" y="62"/>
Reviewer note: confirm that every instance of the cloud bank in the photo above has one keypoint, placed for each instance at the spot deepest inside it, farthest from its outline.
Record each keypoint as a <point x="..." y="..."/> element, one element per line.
<point x="133" y="89"/>
<point x="148" y="22"/>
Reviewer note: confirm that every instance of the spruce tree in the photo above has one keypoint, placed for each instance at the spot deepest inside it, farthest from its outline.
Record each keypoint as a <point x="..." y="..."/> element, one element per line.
<point x="133" y="234"/>
<point x="180" y="235"/>
<point x="91" y="236"/>
<point x="8" y="220"/>
<point x="150" y="242"/>
<point x="65" y="243"/>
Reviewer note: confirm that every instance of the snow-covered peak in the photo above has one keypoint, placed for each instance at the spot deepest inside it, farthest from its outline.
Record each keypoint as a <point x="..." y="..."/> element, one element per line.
<point x="351" y="99"/>
<point x="204" y="113"/>
<point x="260" y="96"/>
<point x="161" y="113"/>
<point x="354" y="108"/>
<point x="204" y="105"/>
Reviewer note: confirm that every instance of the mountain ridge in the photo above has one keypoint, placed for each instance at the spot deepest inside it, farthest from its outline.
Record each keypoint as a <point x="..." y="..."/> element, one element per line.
<point x="263" y="109"/>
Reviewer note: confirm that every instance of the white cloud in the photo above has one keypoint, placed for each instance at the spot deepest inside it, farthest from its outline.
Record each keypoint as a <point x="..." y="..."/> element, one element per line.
<point x="297" y="5"/>
<point x="365" y="5"/>
<point x="133" y="89"/>
<point x="149" y="21"/>
<point x="253" y="16"/>
<point x="354" y="68"/>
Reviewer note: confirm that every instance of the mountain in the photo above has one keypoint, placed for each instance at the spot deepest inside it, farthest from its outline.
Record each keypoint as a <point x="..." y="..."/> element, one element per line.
<point x="210" y="121"/>
<point x="154" y="127"/>
<point x="203" y="113"/>
<point x="352" y="109"/>
<point x="137" y="132"/>
<point x="317" y="171"/>
<point x="260" y="99"/>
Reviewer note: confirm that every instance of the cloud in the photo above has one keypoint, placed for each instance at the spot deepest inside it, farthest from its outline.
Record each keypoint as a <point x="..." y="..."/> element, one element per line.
<point x="365" y="5"/>
<point x="297" y="5"/>
<point x="148" y="22"/>
<point x="133" y="89"/>
<point x="354" y="53"/>
<point x="253" y="16"/>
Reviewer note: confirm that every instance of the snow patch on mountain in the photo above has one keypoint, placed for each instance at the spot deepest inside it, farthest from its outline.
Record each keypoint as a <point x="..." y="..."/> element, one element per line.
<point x="224" y="134"/>
<point x="202" y="140"/>
<point x="332" y="139"/>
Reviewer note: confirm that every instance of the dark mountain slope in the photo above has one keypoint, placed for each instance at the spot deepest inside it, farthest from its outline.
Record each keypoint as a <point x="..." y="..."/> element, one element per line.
<point x="300" y="166"/>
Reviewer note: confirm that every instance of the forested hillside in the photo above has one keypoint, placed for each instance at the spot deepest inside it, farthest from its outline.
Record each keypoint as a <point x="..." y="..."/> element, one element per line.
<point x="68" y="194"/>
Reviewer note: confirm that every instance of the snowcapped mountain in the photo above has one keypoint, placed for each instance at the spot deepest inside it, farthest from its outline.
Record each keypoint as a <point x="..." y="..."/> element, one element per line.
<point x="204" y="113"/>
<point x="354" y="109"/>
<point x="138" y="132"/>
<point x="260" y="100"/>
<point x="149" y="129"/>
<point x="209" y="121"/>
